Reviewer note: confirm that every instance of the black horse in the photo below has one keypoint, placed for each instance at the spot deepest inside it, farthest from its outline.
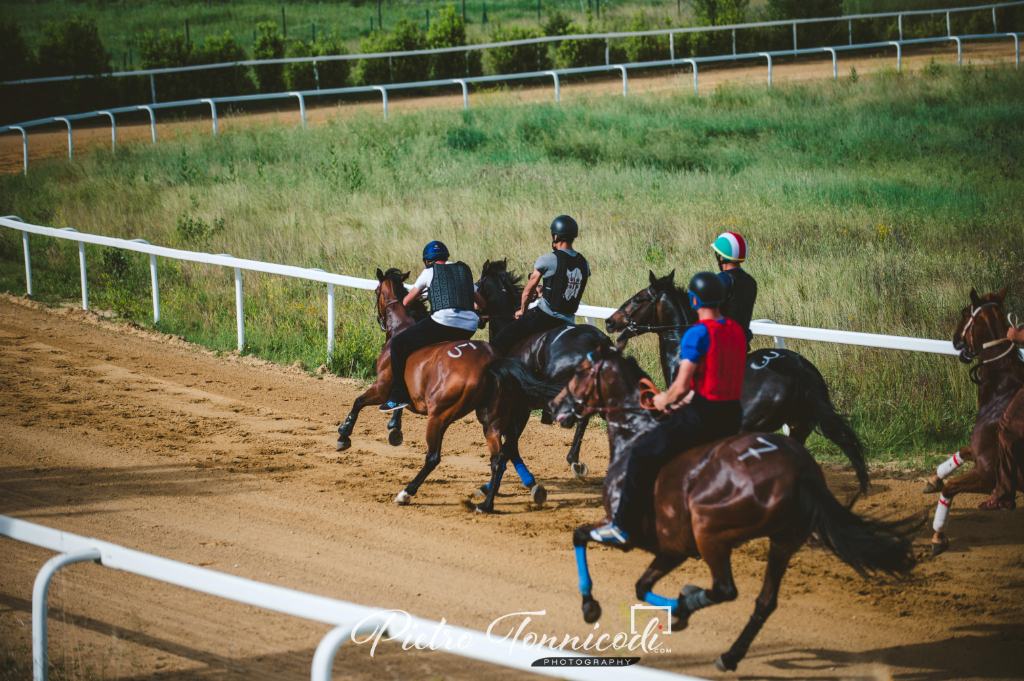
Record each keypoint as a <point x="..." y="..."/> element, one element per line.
<point x="552" y="355"/>
<point x="780" y="387"/>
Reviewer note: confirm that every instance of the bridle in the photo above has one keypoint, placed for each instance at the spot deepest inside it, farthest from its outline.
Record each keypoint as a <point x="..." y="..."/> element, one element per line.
<point x="380" y="314"/>
<point x="501" y="284"/>
<point x="579" y="408"/>
<point x="637" y="329"/>
<point x="968" y="341"/>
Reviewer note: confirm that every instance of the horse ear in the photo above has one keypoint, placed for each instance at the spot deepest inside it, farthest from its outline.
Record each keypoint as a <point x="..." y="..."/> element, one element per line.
<point x="604" y="346"/>
<point x="1001" y="293"/>
<point x="654" y="279"/>
<point x="484" y="270"/>
<point x="405" y="276"/>
<point x="672" y="277"/>
<point x="380" y="275"/>
<point x="975" y="300"/>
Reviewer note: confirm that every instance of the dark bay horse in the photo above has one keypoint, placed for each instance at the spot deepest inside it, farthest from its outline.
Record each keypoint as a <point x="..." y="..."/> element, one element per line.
<point x="780" y="387"/>
<point x="999" y="374"/>
<point x="552" y="355"/>
<point x="446" y="382"/>
<point x="712" y="498"/>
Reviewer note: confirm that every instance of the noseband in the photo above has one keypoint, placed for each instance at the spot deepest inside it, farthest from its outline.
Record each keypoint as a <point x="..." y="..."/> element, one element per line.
<point x="380" y="315"/>
<point x="580" y="410"/>
<point x="637" y="329"/>
<point x="968" y="358"/>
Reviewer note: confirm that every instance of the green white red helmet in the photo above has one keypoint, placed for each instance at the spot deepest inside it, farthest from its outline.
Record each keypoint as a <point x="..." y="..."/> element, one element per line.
<point x="731" y="246"/>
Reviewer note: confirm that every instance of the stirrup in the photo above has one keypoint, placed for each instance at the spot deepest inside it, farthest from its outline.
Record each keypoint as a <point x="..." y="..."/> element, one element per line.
<point x="391" y="405"/>
<point x="610" y="534"/>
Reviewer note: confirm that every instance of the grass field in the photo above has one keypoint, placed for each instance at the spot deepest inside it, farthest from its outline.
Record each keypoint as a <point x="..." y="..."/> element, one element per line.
<point x="870" y="205"/>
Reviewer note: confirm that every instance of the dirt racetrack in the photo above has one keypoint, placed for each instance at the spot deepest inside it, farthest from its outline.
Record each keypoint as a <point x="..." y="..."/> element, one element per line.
<point x="227" y="462"/>
<point x="51" y="141"/>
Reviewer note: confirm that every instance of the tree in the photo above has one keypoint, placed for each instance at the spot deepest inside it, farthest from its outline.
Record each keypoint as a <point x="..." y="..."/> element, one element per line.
<point x="449" y="30"/>
<point x="333" y="74"/>
<point x="72" y="47"/>
<point x="16" y="58"/>
<point x="269" y="45"/>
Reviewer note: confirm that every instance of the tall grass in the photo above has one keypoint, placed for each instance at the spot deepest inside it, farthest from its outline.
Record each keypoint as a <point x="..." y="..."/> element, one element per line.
<point x="871" y="206"/>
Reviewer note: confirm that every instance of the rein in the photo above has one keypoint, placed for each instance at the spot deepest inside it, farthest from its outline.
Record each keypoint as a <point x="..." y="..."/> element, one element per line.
<point x="964" y="357"/>
<point x="380" y="315"/>
<point x="637" y="329"/>
<point x="581" y="410"/>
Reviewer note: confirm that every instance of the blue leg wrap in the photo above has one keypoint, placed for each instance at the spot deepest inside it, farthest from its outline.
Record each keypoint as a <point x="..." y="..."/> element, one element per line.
<point x="581" y="565"/>
<point x="654" y="599"/>
<point x="524" y="473"/>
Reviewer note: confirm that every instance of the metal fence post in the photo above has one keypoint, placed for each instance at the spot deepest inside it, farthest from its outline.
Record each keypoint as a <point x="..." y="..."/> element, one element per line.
<point x="69" y="134"/>
<point x="465" y="92"/>
<point x="85" y="281"/>
<point x="734" y="39"/>
<point x="113" y="131"/>
<point x="794" y="38"/>
<point x="899" y="55"/>
<point x="765" y="54"/>
<point x="384" y="93"/>
<point x="152" y="120"/>
<point x="213" y="112"/>
<point x="40" y="590"/>
<point x="959" y="53"/>
<point x="1016" y="49"/>
<point x="900" y="22"/>
<point x="330" y="319"/>
<point x="323" y="657"/>
<point x="302" y="107"/>
<point x="607" y="51"/>
<point x="835" y="62"/>
<point x="28" y="264"/>
<point x="558" y="95"/>
<point x="238" y="309"/>
<point x="995" y="27"/>
<point x="156" y="287"/>
<point x="152" y="87"/>
<point x="672" y="46"/>
<point x="24" y="144"/>
<point x="693" y="63"/>
<point x="625" y="81"/>
<point x="851" y="31"/>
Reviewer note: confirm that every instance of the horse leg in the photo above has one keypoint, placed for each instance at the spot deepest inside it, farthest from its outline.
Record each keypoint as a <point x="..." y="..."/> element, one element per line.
<point x="723" y="588"/>
<point x="436" y="428"/>
<point x="659" y="567"/>
<point x="375" y="394"/>
<point x="580" y="470"/>
<point x="499" y="460"/>
<point x="946" y="469"/>
<point x="580" y="539"/>
<point x="395" y="428"/>
<point x="971" y="482"/>
<point x="778" y="560"/>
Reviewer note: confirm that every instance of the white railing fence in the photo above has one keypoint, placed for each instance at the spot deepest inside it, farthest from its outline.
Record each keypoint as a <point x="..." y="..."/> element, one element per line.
<point x="348" y="619"/>
<point x="589" y="312"/>
<point x="463" y="83"/>
<point x="607" y="36"/>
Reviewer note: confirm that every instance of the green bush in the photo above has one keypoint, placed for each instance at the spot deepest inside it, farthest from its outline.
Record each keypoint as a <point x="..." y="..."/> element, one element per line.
<point x="406" y="36"/>
<point x="269" y="45"/>
<point x="16" y="58"/>
<point x="223" y="82"/>
<point x="164" y="51"/>
<point x="579" y="53"/>
<point x="332" y="74"/>
<point x="716" y="13"/>
<point x="645" y="47"/>
<point x="72" y="47"/>
<point x="517" y="58"/>
<point x="449" y="30"/>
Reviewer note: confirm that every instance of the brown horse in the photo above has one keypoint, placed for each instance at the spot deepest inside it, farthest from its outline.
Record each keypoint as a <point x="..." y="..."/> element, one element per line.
<point x="446" y="382"/>
<point x="999" y="374"/>
<point x="712" y="498"/>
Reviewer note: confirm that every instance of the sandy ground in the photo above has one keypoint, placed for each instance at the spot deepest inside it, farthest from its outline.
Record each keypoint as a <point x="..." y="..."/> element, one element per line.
<point x="52" y="141"/>
<point x="229" y="463"/>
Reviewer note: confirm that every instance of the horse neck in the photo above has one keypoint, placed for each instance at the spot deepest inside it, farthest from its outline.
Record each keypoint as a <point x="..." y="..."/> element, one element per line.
<point x="397" y="319"/>
<point x="498" y="304"/>
<point x="1002" y="376"/>
<point x="625" y="428"/>
<point x="670" y="312"/>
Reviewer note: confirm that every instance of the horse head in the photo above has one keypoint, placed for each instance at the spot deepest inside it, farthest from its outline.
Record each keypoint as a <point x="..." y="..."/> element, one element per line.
<point x="982" y="326"/>
<point x="654" y="306"/>
<point x="502" y="290"/>
<point x="603" y="382"/>
<point x="390" y="291"/>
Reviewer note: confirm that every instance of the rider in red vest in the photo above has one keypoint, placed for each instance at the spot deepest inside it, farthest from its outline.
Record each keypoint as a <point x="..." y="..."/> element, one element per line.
<point x="704" y="400"/>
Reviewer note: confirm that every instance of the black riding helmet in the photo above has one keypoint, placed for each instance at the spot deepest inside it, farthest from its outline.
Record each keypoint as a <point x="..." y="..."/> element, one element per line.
<point x="564" y="227"/>
<point x="707" y="288"/>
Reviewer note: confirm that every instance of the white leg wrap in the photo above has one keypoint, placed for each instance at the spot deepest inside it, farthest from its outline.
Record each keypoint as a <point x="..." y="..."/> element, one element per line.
<point x="941" y="513"/>
<point x="947" y="467"/>
<point x="403" y="498"/>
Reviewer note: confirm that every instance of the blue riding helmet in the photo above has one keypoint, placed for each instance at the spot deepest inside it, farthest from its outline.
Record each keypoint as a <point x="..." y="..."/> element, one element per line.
<point x="707" y="289"/>
<point x="435" y="250"/>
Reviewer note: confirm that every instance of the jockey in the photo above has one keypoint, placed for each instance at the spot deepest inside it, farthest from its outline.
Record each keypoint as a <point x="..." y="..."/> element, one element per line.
<point x="1011" y="436"/>
<point x="453" y="299"/>
<point x="704" y="401"/>
<point x="740" y="288"/>
<point x="565" y="274"/>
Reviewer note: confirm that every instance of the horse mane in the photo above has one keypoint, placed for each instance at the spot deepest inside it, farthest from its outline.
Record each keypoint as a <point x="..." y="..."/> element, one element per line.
<point x="632" y="370"/>
<point x="417" y="309"/>
<point x="508" y="278"/>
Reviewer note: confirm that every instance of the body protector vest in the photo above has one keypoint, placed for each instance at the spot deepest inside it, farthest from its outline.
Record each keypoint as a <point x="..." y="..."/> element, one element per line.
<point x="451" y="287"/>
<point x="741" y="294"/>
<point x="564" y="289"/>
<point x="719" y="374"/>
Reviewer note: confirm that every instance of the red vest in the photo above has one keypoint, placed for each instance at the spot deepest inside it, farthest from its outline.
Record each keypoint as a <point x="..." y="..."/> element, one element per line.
<point x="719" y="375"/>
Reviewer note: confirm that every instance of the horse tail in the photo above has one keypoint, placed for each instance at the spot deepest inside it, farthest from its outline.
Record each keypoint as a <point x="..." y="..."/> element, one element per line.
<point x="834" y="425"/>
<point x="867" y="545"/>
<point x="509" y="371"/>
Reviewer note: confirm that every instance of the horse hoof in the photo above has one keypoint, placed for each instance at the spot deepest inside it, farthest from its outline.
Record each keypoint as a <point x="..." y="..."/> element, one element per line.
<point x="723" y="666"/>
<point x="546" y="418"/>
<point x="580" y="470"/>
<point x="689" y="590"/>
<point x="591" y="612"/>
<point x="480" y="508"/>
<point x="538" y="493"/>
<point x="939" y="547"/>
<point x="930" y="488"/>
<point x="481" y="491"/>
<point x="403" y="498"/>
<point x="395" y="437"/>
<point x="342" y="444"/>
